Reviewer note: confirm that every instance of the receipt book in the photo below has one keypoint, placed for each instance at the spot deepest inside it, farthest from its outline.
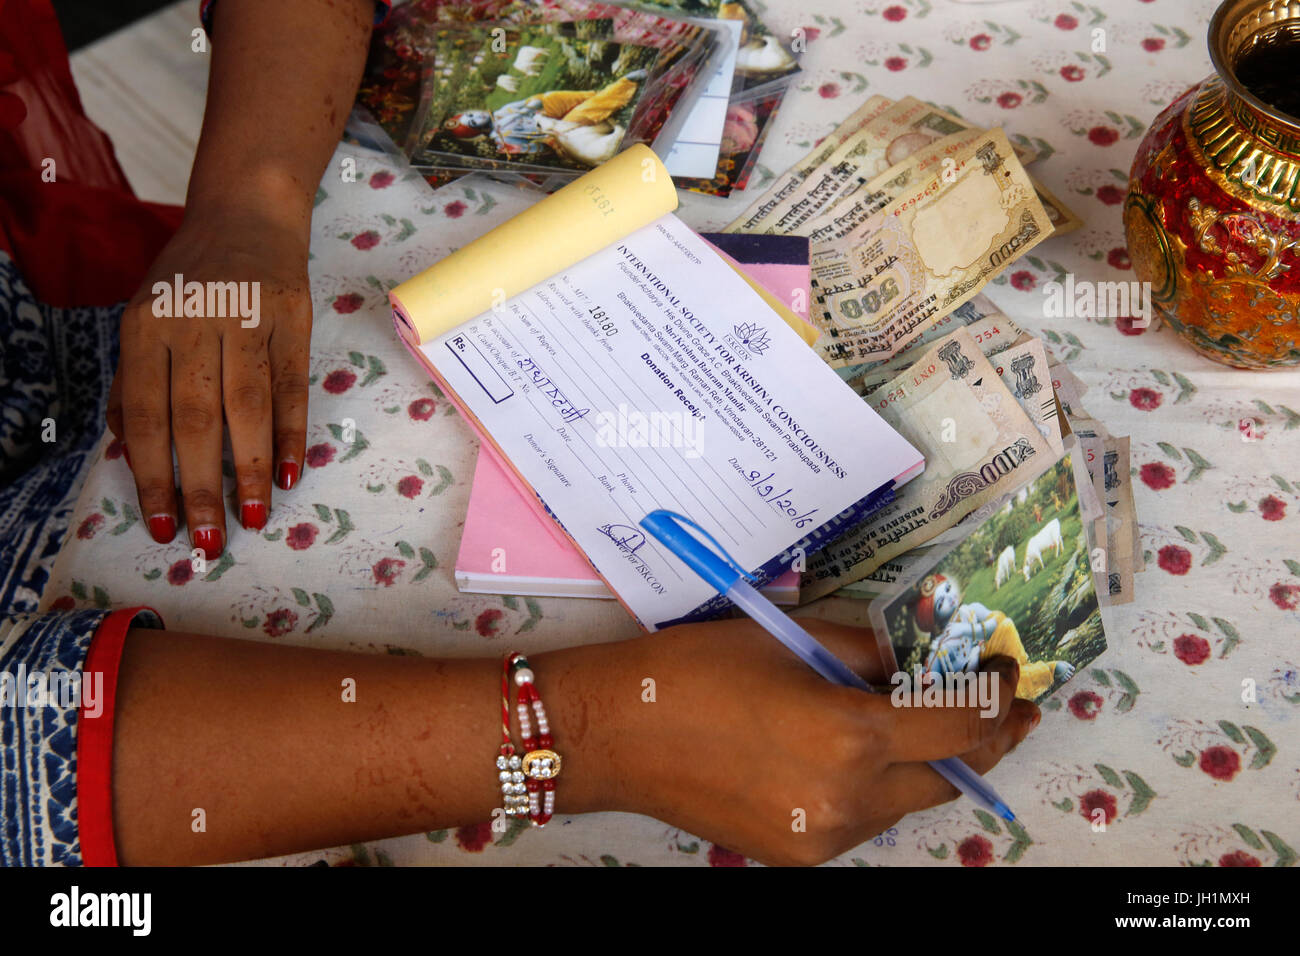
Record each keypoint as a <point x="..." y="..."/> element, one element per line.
<point x="619" y="364"/>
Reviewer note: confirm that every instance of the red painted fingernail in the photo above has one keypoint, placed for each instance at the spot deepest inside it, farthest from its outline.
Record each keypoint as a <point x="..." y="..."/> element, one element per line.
<point x="127" y="455"/>
<point x="287" y="476"/>
<point x="163" y="528"/>
<point x="208" y="540"/>
<point x="253" y="515"/>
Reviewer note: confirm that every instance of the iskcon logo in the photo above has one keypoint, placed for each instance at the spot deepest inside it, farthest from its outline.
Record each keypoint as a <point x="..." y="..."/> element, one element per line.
<point x="752" y="336"/>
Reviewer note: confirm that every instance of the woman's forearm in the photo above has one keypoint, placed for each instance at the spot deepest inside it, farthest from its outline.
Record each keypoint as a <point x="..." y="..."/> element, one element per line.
<point x="714" y="728"/>
<point x="264" y="740"/>
<point x="281" y="85"/>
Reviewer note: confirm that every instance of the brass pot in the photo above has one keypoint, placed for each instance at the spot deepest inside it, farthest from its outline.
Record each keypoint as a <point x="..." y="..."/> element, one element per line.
<point x="1212" y="217"/>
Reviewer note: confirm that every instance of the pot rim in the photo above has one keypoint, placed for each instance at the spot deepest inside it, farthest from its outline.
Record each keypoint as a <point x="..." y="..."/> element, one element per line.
<point x="1227" y="15"/>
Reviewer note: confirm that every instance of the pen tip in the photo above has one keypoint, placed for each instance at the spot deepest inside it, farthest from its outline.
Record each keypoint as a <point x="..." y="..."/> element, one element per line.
<point x="1006" y="813"/>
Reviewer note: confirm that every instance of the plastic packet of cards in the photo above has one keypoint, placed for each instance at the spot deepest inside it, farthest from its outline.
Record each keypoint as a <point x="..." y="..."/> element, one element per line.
<point x="548" y="90"/>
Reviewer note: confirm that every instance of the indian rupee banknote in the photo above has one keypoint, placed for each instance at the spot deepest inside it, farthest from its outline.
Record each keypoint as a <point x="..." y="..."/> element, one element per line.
<point x="1023" y="369"/>
<point x="866" y="169"/>
<point x="856" y="205"/>
<point x="885" y="141"/>
<point x="1121" y="521"/>
<point x="789" y="182"/>
<point x="1091" y="435"/>
<point x="979" y="307"/>
<point x="992" y="334"/>
<point x="924" y="254"/>
<point x="978" y="444"/>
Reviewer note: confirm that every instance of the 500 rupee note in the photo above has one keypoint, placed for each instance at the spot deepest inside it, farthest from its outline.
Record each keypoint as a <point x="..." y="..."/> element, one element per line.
<point x="853" y="205"/>
<point x="924" y="254"/>
<point x="1064" y="219"/>
<point x="874" y="165"/>
<point x="888" y="139"/>
<point x="856" y="206"/>
<point x="785" y="186"/>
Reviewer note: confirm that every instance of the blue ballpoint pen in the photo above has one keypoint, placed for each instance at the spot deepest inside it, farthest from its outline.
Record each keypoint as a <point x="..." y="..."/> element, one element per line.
<point x="731" y="581"/>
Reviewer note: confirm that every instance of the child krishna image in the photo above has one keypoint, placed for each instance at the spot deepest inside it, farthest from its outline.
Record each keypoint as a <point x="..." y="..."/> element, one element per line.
<point x="573" y="123"/>
<point x="961" y="635"/>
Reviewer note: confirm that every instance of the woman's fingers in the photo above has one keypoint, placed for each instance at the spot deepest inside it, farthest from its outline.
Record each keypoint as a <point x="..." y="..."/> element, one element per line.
<point x="909" y="787"/>
<point x="1020" y="722"/>
<point x="143" y="425"/>
<point x="246" y="385"/>
<point x="921" y="733"/>
<point x="196" y="430"/>
<point x="290" y="352"/>
<point x="876" y="799"/>
<point x="113" y="413"/>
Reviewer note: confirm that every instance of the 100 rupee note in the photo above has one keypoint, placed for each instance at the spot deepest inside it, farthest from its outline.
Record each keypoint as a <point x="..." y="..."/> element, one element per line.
<point x="924" y="254"/>
<point x="1069" y="390"/>
<point x="1019" y="359"/>
<point x="978" y="444"/>
<point x="992" y="334"/>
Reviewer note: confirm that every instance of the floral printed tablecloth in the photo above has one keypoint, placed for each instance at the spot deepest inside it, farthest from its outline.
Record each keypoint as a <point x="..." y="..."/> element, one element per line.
<point x="1162" y="734"/>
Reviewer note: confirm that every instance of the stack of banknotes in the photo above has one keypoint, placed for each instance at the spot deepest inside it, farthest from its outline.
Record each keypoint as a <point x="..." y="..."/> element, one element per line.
<point x="911" y="212"/>
<point x="977" y="390"/>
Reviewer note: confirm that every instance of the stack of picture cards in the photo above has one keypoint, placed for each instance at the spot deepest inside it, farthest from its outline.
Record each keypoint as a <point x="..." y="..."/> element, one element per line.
<point x="547" y="91"/>
<point x="530" y="88"/>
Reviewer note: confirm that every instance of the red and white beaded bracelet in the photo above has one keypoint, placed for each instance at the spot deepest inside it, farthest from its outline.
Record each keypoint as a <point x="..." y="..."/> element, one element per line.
<point x="527" y="783"/>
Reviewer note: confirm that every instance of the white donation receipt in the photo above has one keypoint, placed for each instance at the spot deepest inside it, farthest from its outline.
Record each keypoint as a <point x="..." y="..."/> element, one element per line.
<point x="650" y="375"/>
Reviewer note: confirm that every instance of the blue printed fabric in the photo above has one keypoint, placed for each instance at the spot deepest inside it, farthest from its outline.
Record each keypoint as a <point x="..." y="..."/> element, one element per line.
<point x="38" y="781"/>
<point x="56" y="365"/>
<point x="55" y="369"/>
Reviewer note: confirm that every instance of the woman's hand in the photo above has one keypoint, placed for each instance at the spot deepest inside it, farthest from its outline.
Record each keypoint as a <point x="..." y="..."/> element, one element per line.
<point x="267" y="137"/>
<point x="740" y="742"/>
<point x="178" y="375"/>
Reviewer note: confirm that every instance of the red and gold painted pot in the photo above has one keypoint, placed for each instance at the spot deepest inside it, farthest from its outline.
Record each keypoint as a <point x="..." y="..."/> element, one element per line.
<point x="1212" y="217"/>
